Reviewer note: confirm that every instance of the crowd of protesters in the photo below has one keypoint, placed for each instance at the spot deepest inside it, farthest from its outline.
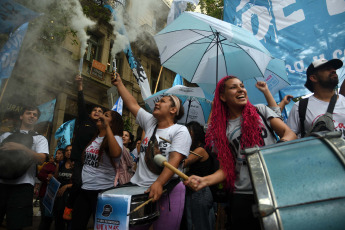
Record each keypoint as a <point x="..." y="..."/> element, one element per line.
<point x="104" y="156"/>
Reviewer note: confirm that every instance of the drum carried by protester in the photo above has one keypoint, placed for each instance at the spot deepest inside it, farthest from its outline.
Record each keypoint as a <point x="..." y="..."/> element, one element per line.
<point x="14" y="163"/>
<point x="106" y="205"/>
<point x="300" y="184"/>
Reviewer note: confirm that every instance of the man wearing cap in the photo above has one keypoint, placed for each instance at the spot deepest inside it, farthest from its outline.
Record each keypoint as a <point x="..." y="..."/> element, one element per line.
<point x="322" y="79"/>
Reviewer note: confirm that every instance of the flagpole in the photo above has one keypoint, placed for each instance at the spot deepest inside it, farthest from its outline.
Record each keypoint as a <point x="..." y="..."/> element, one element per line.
<point x="159" y="77"/>
<point x="4" y="89"/>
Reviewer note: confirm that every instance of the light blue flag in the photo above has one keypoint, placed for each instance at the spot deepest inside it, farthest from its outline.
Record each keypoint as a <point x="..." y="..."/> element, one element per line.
<point x="118" y="106"/>
<point x="10" y="51"/>
<point x="178" y="80"/>
<point x="64" y="133"/>
<point x="13" y="15"/>
<point x="47" y="111"/>
<point x="298" y="32"/>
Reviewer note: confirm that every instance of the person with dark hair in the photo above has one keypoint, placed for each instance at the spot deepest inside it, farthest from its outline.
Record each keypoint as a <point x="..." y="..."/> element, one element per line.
<point x="98" y="171"/>
<point x="124" y="167"/>
<point x="162" y="123"/>
<point x="85" y="130"/>
<point x="44" y="175"/>
<point x="16" y="194"/>
<point x="128" y="139"/>
<point x="322" y="80"/>
<point x="235" y="125"/>
<point x="199" y="211"/>
<point x="63" y="174"/>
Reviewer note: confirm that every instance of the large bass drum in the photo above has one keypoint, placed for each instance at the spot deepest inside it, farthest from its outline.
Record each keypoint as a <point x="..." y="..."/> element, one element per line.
<point x="300" y="184"/>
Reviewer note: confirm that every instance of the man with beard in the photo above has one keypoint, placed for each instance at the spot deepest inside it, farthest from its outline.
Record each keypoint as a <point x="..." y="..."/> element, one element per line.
<point x="322" y="81"/>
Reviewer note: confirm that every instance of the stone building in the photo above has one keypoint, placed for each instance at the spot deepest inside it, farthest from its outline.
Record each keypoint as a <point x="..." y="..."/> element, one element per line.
<point x="39" y="77"/>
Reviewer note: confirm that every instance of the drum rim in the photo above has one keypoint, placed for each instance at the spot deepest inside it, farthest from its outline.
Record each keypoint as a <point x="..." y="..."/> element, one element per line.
<point x="266" y="200"/>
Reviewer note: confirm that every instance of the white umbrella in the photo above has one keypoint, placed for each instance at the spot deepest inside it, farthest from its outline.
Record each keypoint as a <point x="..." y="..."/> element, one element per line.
<point x="196" y="102"/>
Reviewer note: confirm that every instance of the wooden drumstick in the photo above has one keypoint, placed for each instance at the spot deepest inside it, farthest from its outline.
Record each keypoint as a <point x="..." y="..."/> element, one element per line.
<point x="160" y="160"/>
<point x="143" y="204"/>
<point x="189" y="151"/>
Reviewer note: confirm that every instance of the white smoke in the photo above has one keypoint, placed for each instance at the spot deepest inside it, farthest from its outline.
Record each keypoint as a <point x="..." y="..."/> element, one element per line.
<point x="78" y="21"/>
<point x="140" y="12"/>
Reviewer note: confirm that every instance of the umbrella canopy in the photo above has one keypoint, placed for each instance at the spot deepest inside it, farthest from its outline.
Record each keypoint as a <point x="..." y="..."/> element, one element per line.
<point x="196" y="102"/>
<point x="275" y="77"/>
<point x="203" y="49"/>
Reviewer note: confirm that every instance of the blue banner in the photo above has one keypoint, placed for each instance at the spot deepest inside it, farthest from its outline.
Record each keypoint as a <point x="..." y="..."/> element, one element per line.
<point x="118" y="106"/>
<point x="13" y="15"/>
<point x="47" y="111"/>
<point x="65" y="134"/>
<point x="298" y="32"/>
<point x="10" y="51"/>
<point x="49" y="197"/>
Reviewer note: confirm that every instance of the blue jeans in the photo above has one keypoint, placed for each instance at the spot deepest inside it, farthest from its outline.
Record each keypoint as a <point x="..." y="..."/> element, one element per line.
<point x="199" y="209"/>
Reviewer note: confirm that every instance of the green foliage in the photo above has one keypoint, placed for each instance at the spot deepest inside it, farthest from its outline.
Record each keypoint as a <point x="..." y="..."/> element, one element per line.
<point x="127" y="124"/>
<point x="213" y="8"/>
<point x="190" y="7"/>
<point x="94" y="10"/>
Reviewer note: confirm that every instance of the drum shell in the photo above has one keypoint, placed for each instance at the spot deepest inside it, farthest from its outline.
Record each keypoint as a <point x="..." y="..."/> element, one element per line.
<point x="144" y="216"/>
<point x="302" y="182"/>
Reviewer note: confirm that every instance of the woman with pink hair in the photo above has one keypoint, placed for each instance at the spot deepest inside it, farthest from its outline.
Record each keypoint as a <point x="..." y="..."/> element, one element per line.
<point x="235" y="125"/>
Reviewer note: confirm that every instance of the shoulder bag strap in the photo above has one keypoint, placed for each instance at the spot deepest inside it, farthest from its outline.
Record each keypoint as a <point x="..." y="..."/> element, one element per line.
<point x="331" y="104"/>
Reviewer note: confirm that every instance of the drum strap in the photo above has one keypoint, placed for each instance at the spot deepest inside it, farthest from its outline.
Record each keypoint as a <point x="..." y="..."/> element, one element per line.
<point x="266" y="124"/>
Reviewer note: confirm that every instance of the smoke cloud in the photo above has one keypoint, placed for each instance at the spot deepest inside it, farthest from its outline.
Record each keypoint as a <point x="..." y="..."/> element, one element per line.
<point x="139" y="13"/>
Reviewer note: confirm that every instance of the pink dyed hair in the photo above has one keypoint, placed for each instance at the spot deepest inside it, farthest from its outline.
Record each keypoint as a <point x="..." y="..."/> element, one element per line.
<point x="216" y="133"/>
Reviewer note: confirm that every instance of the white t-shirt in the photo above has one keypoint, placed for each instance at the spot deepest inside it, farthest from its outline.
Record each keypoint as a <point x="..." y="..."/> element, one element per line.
<point x="233" y="133"/>
<point x="315" y="109"/>
<point x="177" y="134"/>
<point x="40" y="145"/>
<point x="98" y="175"/>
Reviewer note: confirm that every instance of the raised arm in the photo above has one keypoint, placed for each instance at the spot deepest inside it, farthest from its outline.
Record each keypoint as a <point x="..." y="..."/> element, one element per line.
<point x="262" y="86"/>
<point x="82" y="113"/>
<point x="130" y="102"/>
<point x="114" y="148"/>
<point x="286" y="100"/>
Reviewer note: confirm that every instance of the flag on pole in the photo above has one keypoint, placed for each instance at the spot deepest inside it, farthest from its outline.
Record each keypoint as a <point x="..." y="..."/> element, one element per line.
<point x="178" y="80"/>
<point x="13" y="15"/>
<point x="47" y="111"/>
<point x="64" y="134"/>
<point x="137" y="68"/>
<point x="10" y="51"/>
<point x="118" y="106"/>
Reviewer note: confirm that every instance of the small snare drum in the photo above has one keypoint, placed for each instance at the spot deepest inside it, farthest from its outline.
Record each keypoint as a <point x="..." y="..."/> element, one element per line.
<point x="145" y="215"/>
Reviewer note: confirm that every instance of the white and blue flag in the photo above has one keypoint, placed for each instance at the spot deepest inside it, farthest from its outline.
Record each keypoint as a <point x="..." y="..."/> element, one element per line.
<point x="118" y="106"/>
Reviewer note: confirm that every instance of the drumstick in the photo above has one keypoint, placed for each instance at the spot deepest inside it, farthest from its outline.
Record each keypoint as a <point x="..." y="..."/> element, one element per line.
<point x="160" y="160"/>
<point x="143" y="204"/>
<point x="189" y="151"/>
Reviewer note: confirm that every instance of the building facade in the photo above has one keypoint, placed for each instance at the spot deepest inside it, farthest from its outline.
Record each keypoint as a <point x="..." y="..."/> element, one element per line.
<point x="38" y="77"/>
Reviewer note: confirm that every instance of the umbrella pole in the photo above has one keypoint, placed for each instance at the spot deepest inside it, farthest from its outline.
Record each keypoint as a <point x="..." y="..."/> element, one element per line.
<point x="187" y="111"/>
<point x="159" y="77"/>
<point x="217" y="57"/>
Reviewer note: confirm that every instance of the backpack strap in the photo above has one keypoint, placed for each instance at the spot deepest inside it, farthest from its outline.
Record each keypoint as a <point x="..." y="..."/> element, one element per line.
<point x="331" y="104"/>
<point x="302" y="109"/>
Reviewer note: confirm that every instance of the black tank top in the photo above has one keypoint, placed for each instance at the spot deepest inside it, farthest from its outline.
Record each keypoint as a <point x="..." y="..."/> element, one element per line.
<point x="200" y="168"/>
